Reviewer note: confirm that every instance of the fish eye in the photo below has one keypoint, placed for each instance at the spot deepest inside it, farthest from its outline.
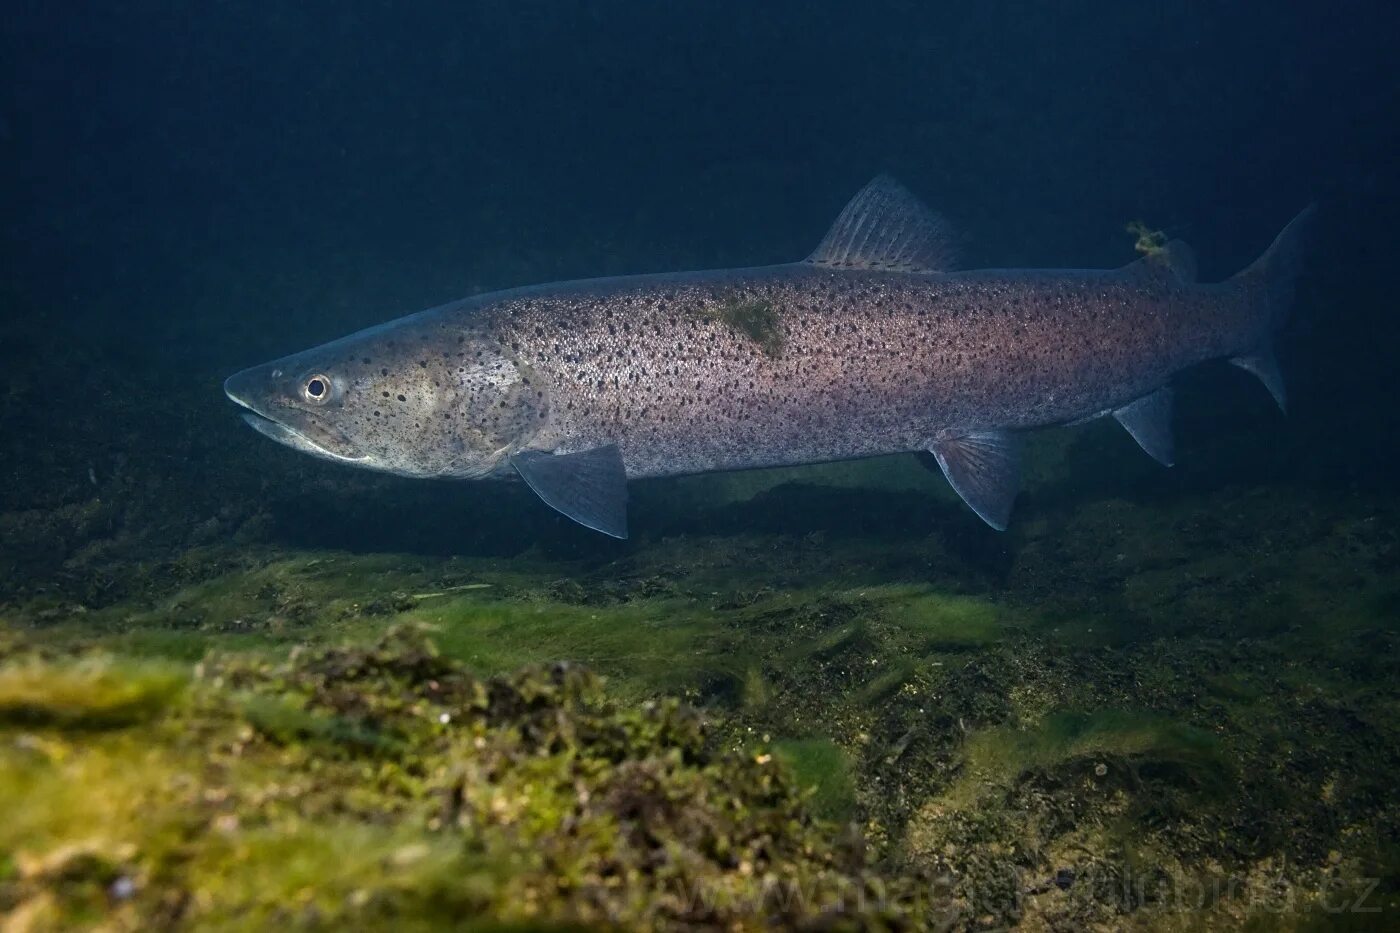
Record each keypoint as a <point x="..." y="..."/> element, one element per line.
<point x="317" y="388"/>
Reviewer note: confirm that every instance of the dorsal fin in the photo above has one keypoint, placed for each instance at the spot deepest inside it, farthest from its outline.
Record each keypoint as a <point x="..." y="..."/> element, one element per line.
<point x="1174" y="257"/>
<point x="885" y="227"/>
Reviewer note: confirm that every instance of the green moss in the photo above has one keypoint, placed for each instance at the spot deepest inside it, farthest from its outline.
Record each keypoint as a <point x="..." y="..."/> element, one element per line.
<point x="95" y="693"/>
<point x="967" y="687"/>
<point x="995" y="758"/>
<point x="825" y="770"/>
<point x="756" y="691"/>
<point x="286" y="722"/>
<point x="532" y="799"/>
<point x="327" y="872"/>
<point x="946" y="622"/>
<point x="659" y="644"/>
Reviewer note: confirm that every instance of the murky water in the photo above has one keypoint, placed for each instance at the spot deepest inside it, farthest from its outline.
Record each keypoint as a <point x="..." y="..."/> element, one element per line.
<point x="242" y="686"/>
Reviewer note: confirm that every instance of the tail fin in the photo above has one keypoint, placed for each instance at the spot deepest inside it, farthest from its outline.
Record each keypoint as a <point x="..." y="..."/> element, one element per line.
<point x="1273" y="274"/>
<point x="1270" y="281"/>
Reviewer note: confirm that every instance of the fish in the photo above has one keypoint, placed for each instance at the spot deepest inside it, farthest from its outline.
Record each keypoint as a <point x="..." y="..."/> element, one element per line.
<point x="875" y="344"/>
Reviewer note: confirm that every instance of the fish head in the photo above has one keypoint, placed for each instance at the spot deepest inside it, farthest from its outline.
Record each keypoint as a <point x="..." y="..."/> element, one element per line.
<point x="408" y="398"/>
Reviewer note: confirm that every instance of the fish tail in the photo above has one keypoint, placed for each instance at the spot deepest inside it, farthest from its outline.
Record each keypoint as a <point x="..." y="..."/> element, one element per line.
<point x="1273" y="276"/>
<point x="1269" y="284"/>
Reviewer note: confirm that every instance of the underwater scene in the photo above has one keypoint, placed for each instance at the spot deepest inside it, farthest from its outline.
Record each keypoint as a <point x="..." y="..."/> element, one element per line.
<point x="827" y="492"/>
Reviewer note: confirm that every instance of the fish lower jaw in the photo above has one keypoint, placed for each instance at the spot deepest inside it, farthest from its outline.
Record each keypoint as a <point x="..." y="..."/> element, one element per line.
<point x="290" y="437"/>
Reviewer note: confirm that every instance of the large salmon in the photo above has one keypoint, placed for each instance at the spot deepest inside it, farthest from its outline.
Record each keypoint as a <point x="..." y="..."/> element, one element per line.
<point x="869" y="346"/>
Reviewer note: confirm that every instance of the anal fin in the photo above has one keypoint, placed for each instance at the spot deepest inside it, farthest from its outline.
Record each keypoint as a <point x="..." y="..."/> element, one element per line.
<point x="1263" y="364"/>
<point x="589" y="486"/>
<point x="1149" y="421"/>
<point x="983" y="467"/>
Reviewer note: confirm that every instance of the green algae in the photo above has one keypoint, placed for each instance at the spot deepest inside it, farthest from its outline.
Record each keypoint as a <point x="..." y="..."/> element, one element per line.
<point x="287" y="722"/>
<point x="950" y="694"/>
<point x="946" y="622"/>
<point x="94" y="693"/>
<point x="993" y="758"/>
<point x="756" y="319"/>
<point x="825" y="771"/>
<point x="531" y="798"/>
<point x="660" y="643"/>
<point x="1147" y="241"/>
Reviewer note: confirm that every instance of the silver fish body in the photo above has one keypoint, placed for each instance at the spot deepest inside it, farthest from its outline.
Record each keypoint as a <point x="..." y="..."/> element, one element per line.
<point x="869" y="347"/>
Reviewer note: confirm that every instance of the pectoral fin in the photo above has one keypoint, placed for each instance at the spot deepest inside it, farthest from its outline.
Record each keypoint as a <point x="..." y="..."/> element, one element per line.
<point x="985" y="469"/>
<point x="589" y="486"/>
<point x="1149" y="421"/>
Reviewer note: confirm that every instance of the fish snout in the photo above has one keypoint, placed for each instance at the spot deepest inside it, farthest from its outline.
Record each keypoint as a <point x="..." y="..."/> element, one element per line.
<point x="236" y="387"/>
<point x="252" y="387"/>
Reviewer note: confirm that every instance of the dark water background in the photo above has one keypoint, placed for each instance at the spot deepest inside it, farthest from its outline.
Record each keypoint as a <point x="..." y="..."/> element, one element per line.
<point x="190" y="188"/>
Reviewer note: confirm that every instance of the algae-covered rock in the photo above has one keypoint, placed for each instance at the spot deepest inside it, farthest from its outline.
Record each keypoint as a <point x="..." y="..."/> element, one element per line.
<point x="1123" y="702"/>
<point x="387" y="786"/>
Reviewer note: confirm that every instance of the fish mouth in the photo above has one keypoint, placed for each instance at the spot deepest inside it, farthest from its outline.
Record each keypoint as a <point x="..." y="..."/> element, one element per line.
<point x="283" y="433"/>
